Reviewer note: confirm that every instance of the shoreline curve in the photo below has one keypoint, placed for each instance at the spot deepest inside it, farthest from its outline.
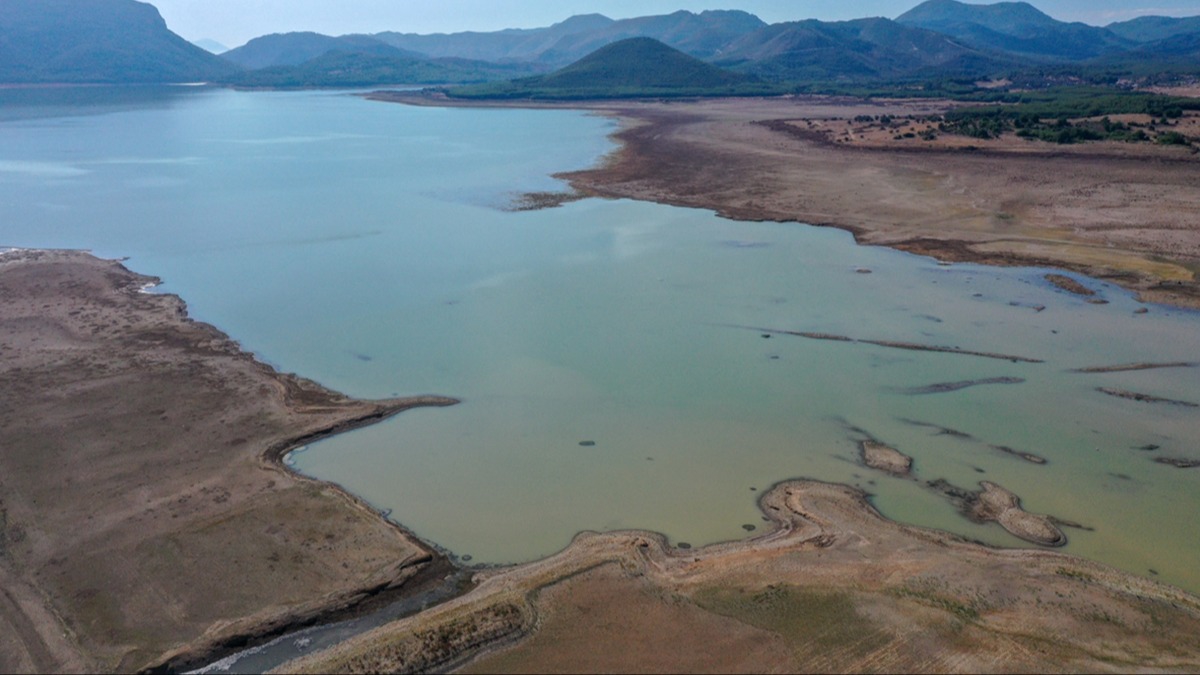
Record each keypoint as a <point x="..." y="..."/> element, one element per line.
<point x="826" y="539"/>
<point x="743" y="158"/>
<point x="170" y="438"/>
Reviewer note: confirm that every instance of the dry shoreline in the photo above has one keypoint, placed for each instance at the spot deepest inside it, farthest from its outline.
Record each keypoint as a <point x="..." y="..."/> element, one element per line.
<point x="91" y="565"/>
<point x="146" y="517"/>
<point x="832" y="586"/>
<point x="124" y="571"/>
<point x="1125" y="213"/>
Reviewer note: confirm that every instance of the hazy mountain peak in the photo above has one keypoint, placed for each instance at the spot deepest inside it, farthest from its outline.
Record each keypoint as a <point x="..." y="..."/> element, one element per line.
<point x="637" y="64"/>
<point x="1014" y="27"/>
<point x="1154" y="28"/>
<point x="292" y="49"/>
<point x="582" y="22"/>
<point x="861" y="48"/>
<point x="96" y="41"/>
<point x="210" y="45"/>
<point x="1004" y="17"/>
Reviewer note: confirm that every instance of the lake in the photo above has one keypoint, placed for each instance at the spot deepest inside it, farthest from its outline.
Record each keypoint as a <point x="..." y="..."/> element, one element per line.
<point x="612" y="356"/>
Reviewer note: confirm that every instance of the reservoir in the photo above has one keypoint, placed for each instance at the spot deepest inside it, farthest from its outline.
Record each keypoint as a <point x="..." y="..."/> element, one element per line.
<point x="621" y="364"/>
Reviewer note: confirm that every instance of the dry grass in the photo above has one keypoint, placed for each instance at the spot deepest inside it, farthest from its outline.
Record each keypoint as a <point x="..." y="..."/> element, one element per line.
<point x="1125" y="212"/>
<point x="1120" y="211"/>
<point x="836" y="588"/>
<point x="145" y="517"/>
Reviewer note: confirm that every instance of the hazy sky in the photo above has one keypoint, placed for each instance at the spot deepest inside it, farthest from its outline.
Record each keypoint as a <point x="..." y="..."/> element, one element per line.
<point x="233" y="22"/>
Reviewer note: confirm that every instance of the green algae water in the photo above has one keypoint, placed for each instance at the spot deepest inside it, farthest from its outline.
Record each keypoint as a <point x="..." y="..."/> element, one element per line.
<point x="619" y="362"/>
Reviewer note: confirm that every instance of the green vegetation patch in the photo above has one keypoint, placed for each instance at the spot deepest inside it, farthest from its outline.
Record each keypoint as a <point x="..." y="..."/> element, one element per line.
<point x="1071" y="573"/>
<point x="927" y="594"/>
<point x="1070" y="116"/>
<point x="808" y="620"/>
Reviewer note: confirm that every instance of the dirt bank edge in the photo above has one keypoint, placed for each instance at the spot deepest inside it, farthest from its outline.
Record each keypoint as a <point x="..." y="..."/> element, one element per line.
<point x="725" y="154"/>
<point x="102" y="378"/>
<point x="923" y="600"/>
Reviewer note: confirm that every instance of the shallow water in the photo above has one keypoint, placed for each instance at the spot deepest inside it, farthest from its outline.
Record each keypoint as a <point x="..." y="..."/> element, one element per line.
<point x="362" y="244"/>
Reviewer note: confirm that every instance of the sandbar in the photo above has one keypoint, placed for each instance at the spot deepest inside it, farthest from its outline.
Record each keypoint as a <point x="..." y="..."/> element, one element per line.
<point x="884" y="457"/>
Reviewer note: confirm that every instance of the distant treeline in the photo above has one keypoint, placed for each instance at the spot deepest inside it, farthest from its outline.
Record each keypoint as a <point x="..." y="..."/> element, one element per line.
<point x="1068" y="115"/>
<point x="505" y="91"/>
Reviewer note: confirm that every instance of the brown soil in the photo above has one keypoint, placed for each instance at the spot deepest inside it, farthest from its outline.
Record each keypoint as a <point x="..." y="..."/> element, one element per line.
<point x="995" y="504"/>
<point x="1070" y="285"/>
<point x="145" y="516"/>
<point x="1134" y="366"/>
<point x="885" y="458"/>
<point x="1178" y="463"/>
<point x="992" y="503"/>
<point x="535" y="201"/>
<point x="601" y="599"/>
<point x="1144" y="398"/>
<point x="835" y="587"/>
<point x="1001" y="505"/>
<point x="1125" y="212"/>
<point x="911" y="130"/>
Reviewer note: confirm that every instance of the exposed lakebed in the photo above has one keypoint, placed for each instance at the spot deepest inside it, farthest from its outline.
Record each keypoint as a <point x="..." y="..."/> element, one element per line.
<point x="621" y="364"/>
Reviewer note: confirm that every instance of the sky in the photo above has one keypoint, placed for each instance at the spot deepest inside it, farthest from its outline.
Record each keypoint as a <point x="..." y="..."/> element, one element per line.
<point x="233" y="22"/>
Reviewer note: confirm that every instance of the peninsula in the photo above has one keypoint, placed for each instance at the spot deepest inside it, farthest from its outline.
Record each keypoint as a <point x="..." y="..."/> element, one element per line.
<point x="146" y="518"/>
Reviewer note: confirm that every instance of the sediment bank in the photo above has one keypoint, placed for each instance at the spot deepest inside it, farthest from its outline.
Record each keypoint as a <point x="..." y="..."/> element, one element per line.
<point x="147" y="520"/>
<point x="833" y="586"/>
<point x="1124" y="213"/>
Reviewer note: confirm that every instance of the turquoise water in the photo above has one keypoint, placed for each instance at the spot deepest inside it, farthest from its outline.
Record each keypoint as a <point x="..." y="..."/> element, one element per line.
<point x="365" y="245"/>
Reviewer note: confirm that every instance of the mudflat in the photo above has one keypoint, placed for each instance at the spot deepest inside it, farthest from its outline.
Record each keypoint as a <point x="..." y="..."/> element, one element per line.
<point x="832" y="587"/>
<point x="146" y="518"/>
<point x="1124" y="212"/>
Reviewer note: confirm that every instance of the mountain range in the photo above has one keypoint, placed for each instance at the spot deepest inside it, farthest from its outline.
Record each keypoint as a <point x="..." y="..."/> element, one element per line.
<point x="701" y="35"/>
<point x="1153" y="28"/>
<point x="293" y="49"/>
<point x="97" y="41"/>
<point x="632" y="67"/>
<point x="127" y="41"/>
<point x="1015" y="28"/>
<point x="860" y="49"/>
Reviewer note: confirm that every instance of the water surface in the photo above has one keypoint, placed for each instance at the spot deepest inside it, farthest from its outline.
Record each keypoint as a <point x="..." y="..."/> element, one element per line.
<point x="605" y="351"/>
